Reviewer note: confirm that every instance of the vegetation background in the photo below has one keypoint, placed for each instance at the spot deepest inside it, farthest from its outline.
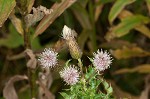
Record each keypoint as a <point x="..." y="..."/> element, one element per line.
<point x="120" y="26"/>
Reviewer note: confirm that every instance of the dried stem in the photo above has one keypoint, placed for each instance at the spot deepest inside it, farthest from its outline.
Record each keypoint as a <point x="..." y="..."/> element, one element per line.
<point x="31" y="72"/>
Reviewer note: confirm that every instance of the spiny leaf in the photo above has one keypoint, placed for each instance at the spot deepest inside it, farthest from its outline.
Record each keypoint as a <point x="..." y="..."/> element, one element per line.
<point x="126" y="25"/>
<point x="126" y="52"/>
<point x="144" y="68"/>
<point x="117" y="7"/>
<point x="6" y="7"/>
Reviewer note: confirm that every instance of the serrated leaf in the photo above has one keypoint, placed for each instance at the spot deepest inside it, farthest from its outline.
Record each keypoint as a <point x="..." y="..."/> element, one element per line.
<point x="126" y="25"/>
<point x="58" y="9"/>
<point x="144" y="68"/>
<point x="117" y="7"/>
<point x="128" y="52"/>
<point x="6" y="7"/>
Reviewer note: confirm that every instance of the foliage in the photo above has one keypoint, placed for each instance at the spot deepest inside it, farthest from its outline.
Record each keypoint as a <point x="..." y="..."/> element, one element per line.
<point x="121" y="26"/>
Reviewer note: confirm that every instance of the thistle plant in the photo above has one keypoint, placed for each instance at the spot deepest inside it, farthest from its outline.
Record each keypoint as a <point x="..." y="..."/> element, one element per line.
<point x="85" y="85"/>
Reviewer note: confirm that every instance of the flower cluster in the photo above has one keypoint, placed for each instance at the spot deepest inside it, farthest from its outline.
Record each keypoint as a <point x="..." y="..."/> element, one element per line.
<point x="48" y="58"/>
<point x="102" y="60"/>
<point x="70" y="75"/>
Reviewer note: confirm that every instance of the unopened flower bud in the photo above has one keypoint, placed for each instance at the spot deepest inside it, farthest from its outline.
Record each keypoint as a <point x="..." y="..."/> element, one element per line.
<point x="69" y="35"/>
<point x="74" y="49"/>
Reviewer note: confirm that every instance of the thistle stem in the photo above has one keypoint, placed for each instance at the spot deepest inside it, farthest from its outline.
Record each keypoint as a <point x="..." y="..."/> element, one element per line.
<point x="80" y="65"/>
<point x="31" y="72"/>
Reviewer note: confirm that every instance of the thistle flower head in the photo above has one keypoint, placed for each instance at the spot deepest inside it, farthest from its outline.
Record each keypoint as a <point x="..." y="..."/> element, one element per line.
<point x="48" y="58"/>
<point x="70" y="75"/>
<point x="68" y="34"/>
<point x="102" y="60"/>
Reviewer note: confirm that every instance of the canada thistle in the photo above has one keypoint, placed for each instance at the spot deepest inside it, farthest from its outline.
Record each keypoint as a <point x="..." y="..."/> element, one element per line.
<point x="70" y="75"/>
<point x="69" y="35"/>
<point x="102" y="60"/>
<point x="48" y="58"/>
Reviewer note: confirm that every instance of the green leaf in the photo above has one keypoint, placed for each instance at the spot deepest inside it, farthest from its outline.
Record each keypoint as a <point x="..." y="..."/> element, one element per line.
<point x="13" y="39"/>
<point x="67" y="63"/>
<point x="6" y="7"/>
<point x="126" y="25"/>
<point x="36" y="44"/>
<point x="66" y="96"/>
<point x="117" y="7"/>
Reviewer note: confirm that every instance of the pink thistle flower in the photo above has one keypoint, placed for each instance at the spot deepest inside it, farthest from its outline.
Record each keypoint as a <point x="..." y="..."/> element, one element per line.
<point x="48" y="58"/>
<point x="102" y="60"/>
<point x="70" y="75"/>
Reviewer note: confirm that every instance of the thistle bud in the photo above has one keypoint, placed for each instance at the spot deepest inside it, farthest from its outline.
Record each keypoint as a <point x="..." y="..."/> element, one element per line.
<point x="69" y="35"/>
<point x="74" y="49"/>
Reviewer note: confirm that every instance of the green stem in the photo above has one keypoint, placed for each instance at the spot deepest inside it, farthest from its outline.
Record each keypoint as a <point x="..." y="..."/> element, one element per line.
<point x="82" y="76"/>
<point x="80" y="65"/>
